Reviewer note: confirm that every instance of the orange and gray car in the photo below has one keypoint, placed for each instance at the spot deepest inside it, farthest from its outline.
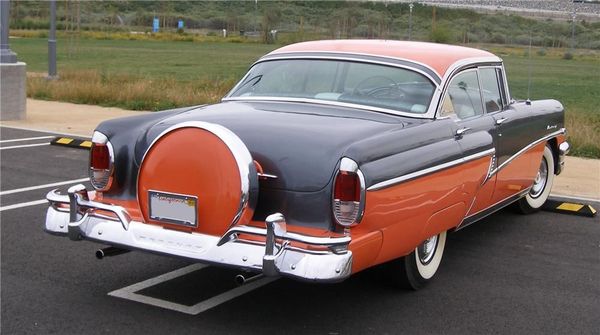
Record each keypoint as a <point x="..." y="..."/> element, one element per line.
<point x="327" y="158"/>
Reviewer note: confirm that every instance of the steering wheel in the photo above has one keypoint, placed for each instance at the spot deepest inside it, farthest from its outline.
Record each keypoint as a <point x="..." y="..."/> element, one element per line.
<point x="390" y="91"/>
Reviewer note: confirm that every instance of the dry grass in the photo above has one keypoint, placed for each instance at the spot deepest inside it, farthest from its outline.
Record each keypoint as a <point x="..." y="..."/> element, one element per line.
<point x="583" y="133"/>
<point x="126" y="91"/>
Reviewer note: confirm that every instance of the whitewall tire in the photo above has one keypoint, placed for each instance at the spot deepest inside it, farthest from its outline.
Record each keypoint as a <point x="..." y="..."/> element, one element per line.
<point x="415" y="270"/>
<point x="542" y="185"/>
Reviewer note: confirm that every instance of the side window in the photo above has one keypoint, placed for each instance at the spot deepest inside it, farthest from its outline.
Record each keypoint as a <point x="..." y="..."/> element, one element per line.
<point x="463" y="97"/>
<point x="490" y="89"/>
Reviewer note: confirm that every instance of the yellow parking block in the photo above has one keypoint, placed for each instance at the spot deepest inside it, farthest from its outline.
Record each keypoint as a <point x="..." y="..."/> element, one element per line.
<point x="64" y="140"/>
<point x="567" y="206"/>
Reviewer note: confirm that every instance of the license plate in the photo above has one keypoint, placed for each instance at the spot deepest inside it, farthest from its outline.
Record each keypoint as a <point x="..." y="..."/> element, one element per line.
<point x="174" y="208"/>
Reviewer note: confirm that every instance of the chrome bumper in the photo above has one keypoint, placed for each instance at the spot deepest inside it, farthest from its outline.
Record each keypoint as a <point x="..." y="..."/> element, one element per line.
<point x="563" y="150"/>
<point x="79" y="218"/>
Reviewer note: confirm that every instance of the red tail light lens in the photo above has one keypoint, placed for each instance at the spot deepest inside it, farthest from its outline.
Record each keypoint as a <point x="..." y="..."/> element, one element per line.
<point x="347" y="186"/>
<point x="100" y="157"/>
<point x="348" y="194"/>
<point x="101" y="162"/>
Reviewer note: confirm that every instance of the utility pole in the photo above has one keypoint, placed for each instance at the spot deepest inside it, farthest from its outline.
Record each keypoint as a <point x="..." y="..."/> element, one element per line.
<point x="410" y="9"/>
<point x="52" y="42"/>
<point x="573" y="16"/>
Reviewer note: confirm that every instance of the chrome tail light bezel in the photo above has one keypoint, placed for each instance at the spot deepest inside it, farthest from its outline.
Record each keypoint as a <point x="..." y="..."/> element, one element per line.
<point x="348" y="165"/>
<point x="102" y="179"/>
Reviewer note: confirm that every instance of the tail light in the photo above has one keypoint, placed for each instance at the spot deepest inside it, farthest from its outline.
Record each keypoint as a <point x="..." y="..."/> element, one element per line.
<point x="348" y="194"/>
<point x="101" y="162"/>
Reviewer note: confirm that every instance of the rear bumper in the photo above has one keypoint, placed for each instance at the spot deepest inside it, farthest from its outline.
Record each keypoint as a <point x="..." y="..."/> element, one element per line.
<point x="77" y="217"/>
<point x="563" y="150"/>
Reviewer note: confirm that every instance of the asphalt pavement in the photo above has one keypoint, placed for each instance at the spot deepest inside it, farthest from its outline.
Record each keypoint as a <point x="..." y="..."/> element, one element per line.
<point x="507" y="274"/>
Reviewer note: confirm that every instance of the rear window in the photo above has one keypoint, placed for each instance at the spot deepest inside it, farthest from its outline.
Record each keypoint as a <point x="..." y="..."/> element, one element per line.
<point x="365" y="84"/>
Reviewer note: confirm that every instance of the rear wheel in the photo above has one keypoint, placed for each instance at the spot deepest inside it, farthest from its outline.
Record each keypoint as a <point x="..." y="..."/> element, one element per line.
<point x="415" y="270"/>
<point x="540" y="190"/>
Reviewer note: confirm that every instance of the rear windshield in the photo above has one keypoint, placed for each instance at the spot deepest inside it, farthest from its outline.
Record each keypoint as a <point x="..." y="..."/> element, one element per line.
<point x="365" y="84"/>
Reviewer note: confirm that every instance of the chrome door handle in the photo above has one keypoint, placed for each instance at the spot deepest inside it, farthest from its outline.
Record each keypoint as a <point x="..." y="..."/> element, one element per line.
<point x="460" y="132"/>
<point x="501" y="120"/>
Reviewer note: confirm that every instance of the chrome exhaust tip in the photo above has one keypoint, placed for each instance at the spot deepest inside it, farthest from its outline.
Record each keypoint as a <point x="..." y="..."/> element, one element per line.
<point x="110" y="251"/>
<point x="241" y="279"/>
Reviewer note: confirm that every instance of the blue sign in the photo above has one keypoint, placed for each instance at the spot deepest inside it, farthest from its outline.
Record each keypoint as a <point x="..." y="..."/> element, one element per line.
<point x="180" y="24"/>
<point x="155" y="24"/>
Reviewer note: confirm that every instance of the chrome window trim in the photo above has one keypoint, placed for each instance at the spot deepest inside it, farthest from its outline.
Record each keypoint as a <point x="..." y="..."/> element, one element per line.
<point x="331" y="103"/>
<point x="347" y="57"/>
<point x="345" y="54"/>
<point x="241" y="154"/>
<point x="527" y="147"/>
<point x="426" y="115"/>
<point x="457" y="68"/>
<point x="413" y="175"/>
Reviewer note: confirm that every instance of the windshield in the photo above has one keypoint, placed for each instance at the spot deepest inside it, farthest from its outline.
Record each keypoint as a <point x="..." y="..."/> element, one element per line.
<point x="365" y="84"/>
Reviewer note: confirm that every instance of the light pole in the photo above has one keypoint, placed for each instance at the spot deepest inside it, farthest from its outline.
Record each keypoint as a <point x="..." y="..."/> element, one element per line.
<point x="52" y="42"/>
<point x="410" y="8"/>
<point x="6" y="55"/>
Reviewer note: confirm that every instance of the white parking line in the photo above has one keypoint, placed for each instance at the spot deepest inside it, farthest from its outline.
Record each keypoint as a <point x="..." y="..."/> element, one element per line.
<point x="24" y="204"/>
<point x="24" y="146"/>
<point x="31" y="188"/>
<point x="27" y="139"/>
<point x="44" y="131"/>
<point x="129" y="292"/>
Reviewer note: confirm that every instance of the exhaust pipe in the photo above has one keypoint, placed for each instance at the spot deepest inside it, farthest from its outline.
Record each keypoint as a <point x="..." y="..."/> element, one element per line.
<point x="110" y="251"/>
<point x="241" y="279"/>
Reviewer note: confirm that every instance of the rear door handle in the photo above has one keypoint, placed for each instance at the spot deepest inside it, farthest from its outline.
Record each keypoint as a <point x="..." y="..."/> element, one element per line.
<point x="460" y="132"/>
<point x="501" y="120"/>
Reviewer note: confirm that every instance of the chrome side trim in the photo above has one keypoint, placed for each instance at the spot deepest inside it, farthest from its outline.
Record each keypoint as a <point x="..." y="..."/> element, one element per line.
<point x="416" y="174"/>
<point x="527" y="147"/>
<point x="241" y="154"/>
<point x="331" y="103"/>
<point x="266" y="175"/>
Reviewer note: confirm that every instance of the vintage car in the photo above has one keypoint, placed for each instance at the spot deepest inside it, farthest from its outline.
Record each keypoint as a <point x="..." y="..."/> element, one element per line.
<point x="327" y="158"/>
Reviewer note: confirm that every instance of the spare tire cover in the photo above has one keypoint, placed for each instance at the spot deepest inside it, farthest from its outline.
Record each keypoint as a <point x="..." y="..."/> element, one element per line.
<point x="204" y="161"/>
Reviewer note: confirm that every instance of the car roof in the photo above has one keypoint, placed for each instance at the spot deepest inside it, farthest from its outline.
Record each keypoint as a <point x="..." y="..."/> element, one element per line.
<point x="439" y="57"/>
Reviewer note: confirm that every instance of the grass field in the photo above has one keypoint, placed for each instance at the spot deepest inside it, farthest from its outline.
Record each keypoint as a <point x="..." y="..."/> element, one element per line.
<point x="154" y="75"/>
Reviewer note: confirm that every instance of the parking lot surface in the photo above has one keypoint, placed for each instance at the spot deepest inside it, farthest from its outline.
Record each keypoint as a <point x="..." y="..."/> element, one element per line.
<point x="508" y="274"/>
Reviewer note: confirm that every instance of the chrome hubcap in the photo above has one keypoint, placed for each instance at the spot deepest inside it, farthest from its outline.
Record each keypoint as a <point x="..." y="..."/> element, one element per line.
<point x="426" y="250"/>
<point x="539" y="184"/>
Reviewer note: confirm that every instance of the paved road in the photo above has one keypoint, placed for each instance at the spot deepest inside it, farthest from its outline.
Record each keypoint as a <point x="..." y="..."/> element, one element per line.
<point x="509" y="274"/>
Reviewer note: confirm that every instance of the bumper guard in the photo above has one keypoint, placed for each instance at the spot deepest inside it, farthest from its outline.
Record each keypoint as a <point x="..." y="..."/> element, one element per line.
<point x="78" y="217"/>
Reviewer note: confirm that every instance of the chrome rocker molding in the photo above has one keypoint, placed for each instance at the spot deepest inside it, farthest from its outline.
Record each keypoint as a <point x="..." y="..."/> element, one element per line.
<point x="416" y="174"/>
<point x="79" y="218"/>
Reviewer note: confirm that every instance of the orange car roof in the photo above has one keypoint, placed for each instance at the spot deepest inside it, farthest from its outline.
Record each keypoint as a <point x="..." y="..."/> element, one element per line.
<point x="439" y="57"/>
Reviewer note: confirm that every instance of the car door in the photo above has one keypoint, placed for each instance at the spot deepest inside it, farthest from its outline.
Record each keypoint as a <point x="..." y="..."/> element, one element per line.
<point x="474" y="133"/>
<point x="515" y="169"/>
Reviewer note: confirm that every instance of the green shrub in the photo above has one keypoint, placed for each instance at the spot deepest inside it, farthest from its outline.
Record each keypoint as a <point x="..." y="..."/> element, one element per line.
<point x="568" y="55"/>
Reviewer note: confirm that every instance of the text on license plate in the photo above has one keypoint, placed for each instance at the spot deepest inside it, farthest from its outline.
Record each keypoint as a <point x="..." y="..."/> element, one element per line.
<point x="174" y="208"/>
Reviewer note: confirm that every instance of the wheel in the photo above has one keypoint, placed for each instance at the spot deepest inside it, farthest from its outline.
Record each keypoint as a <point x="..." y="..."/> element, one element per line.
<point x="540" y="190"/>
<point x="416" y="269"/>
